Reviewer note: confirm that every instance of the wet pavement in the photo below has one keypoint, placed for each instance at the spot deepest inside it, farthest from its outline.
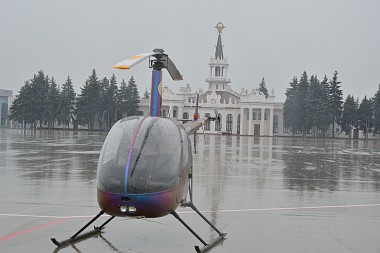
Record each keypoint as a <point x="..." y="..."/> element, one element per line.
<point x="268" y="194"/>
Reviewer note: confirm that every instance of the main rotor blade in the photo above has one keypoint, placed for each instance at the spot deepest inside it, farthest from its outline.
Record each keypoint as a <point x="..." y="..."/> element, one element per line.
<point x="173" y="71"/>
<point x="132" y="61"/>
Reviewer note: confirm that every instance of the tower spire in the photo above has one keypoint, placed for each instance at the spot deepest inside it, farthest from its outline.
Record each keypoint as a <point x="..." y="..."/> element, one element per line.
<point x="219" y="45"/>
<point x="218" y="80"/>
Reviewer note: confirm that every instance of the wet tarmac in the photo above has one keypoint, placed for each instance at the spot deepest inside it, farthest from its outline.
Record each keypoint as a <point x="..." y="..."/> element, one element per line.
<point x="268" y="194"/>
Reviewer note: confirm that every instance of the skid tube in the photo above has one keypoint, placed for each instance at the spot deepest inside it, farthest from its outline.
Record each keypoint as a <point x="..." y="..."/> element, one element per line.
<point x="78" y="236"/>
<point x="207" y="246"/>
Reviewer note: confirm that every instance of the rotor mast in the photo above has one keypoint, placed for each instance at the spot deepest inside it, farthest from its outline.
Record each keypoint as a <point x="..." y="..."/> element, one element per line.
<point x="156" y="89"/>
<point x="160" y="60"/>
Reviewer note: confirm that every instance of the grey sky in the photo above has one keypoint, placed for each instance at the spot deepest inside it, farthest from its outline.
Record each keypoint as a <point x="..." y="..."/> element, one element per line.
<point x="272" y="39"/>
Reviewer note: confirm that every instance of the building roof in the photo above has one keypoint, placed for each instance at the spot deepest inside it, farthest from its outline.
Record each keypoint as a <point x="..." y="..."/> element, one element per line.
<point x="225" y="97"/>
<point x="219" y="48"/>
<point x="6" y="93"/>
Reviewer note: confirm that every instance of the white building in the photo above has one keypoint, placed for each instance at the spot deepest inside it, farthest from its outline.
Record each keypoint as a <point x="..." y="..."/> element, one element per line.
<point x="244" y="113"/>
<point x="6" y="98"/>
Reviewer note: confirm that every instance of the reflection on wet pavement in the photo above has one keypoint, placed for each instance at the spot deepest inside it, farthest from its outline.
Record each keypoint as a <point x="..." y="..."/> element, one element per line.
<point x="268" y="194"/>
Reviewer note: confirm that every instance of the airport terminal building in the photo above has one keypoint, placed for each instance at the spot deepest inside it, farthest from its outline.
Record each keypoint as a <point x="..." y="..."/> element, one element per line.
<point x="246" y="113"/>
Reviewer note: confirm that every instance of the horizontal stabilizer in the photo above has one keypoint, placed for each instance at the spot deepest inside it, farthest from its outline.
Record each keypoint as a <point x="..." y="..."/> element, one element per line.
<point x="132" y="61"/>
<point x="193" y="126"/>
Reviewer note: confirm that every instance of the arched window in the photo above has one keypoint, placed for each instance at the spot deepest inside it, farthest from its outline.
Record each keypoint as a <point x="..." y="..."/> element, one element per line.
<point x="207" y="123"/>
<point x="275" y="124"/>
<point x="217" y="71"/>
<point x="229" y="123"/>
<point x="218" y="124"/>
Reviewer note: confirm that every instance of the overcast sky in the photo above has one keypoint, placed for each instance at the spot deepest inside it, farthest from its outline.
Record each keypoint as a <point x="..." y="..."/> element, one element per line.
<point x="272" y="39"/>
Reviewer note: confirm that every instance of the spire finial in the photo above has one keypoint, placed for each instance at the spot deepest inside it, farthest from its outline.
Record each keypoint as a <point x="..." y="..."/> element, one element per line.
<point x="219" y="26"/>
<point x="219" y="47"/>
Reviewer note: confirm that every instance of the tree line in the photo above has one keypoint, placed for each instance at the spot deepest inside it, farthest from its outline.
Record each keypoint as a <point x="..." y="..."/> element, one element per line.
<point x="101" y="101"/>
<point x="313" y="106"/>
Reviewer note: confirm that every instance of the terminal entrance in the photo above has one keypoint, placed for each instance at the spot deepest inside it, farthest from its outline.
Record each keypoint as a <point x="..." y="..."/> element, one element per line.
<point x="256" y="130"/>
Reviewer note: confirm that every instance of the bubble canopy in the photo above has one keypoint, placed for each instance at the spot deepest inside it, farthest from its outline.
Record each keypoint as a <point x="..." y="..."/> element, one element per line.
<point x="140" y="155"/>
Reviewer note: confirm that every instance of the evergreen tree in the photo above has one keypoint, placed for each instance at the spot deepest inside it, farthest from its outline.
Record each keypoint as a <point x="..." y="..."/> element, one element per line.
<point x="122" y="99"/>
<point x="326" y="85"/>
<point x="133" y="98"/>
<point x="349" y="115"/>
<point x="365" y="116"/>
<point x="89" y="101"/>
<point x="21" y="107"/>
<point x="101" y="116"/>
<point x="39" y="95"/>
<point x="110" y="101"/>
<point x="329" y="109"/>
<point x="66" y="103"/>
<point x="289" y="113"/>
<point x="336" y="99"/>
<point x="300" y="104"/>
<point x="53" y="103"/>
<point x="263" y="89"/>
<point x="316" y="106"/>
<point x="376" y="112"/>
<point x="31" y="105"/>
<point x="146" y="94"/>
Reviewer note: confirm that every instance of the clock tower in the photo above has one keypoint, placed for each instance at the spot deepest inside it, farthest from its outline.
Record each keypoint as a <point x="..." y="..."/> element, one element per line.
<point x="218" y="80"/>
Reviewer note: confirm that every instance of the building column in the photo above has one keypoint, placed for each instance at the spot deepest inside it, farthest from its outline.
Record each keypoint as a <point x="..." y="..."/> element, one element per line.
<point x="241" y="121"/>
<point x="223" y="123"/>
<point x="212" y="126"/>
<point x="250" y="110"/>
<point x="262" y="121"/>
<point x="180" y="112"/>
<point x="271" y="122"/>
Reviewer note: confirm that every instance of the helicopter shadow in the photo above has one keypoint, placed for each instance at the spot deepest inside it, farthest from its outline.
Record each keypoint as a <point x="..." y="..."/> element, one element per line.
<point x="100" y="235"/>
<point x="76" y="249"/>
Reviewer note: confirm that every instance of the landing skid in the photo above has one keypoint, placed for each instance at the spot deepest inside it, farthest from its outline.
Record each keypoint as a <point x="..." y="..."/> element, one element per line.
<point x="206" y="246"/>
<point x="78" y="236"/>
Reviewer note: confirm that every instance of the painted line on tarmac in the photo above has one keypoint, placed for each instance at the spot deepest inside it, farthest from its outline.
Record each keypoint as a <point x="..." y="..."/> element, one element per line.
<point x="358" y="178"/>
<point x="285" y="208"/>
<point x="299" y="208"/>
<point x="45" y="216"/>
<point x="29" y="230"/>
<point x="207" y="211"/>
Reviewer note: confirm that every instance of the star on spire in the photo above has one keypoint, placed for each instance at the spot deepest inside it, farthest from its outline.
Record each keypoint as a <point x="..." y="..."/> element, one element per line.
<point x="219" y="26"/>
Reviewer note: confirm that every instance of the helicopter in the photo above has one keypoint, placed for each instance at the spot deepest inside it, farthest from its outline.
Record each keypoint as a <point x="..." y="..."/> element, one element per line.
<point x="145" y="167"/>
